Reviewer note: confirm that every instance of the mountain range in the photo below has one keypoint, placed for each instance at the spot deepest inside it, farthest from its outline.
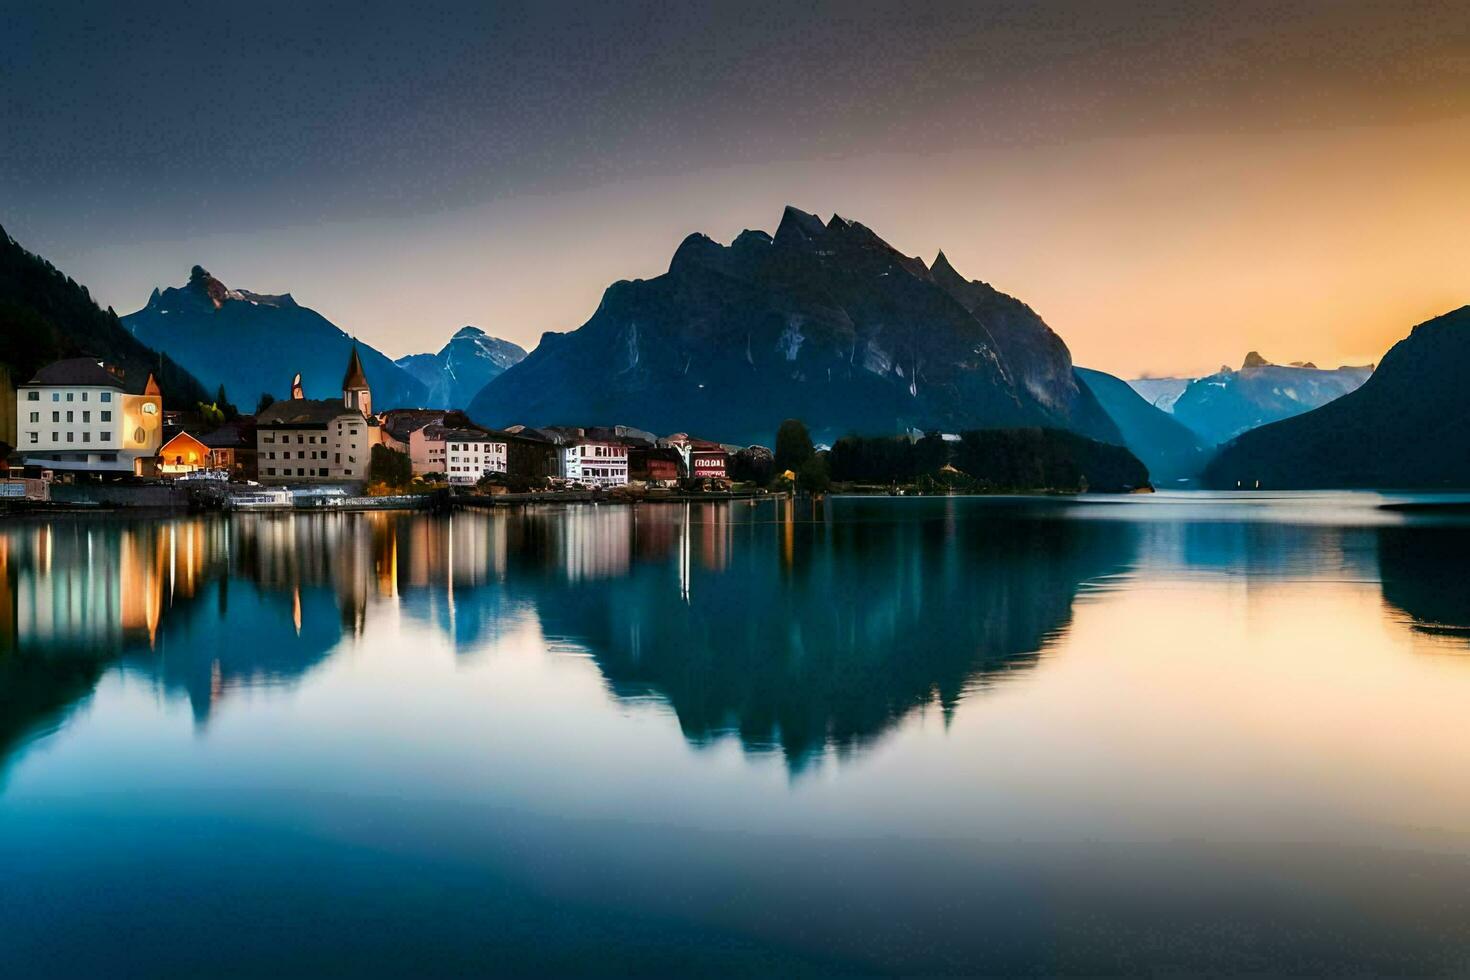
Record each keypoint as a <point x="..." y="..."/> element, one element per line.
<point x="822" y="321"/>
<point x="1222" y="405"/>
<point x="462" y="367"/>
<point x="253" y="343"/>
<point x="1403" y="428"/>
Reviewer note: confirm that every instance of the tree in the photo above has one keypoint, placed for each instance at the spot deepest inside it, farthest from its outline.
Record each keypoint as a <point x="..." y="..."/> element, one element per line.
<point x="265" y="401"/>
<point x="813" y="477"/>
<point x="390" y="467"/>
<point x="210" y="416"/>
<point x="793" y="446"/>
<point x="753" y="464"/>
<point x="223" y="403"/>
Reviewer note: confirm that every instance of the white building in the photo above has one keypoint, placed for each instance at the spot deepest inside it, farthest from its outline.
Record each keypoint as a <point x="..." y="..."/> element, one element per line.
<point x="469" y="455"/>
<point x="79" y="415"/>
<point x="596" y="462"/>
<point x="309" y="440"/>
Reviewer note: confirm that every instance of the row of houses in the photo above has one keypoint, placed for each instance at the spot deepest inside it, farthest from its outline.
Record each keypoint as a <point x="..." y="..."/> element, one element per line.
<point x="79" y="415"/>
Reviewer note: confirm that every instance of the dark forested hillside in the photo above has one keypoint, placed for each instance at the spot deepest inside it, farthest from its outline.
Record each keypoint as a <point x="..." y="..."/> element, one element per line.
<point x="45" y="316"/>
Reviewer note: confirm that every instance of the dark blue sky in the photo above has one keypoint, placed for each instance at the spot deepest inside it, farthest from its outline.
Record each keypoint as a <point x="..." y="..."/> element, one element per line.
<point x="405" y="167"/>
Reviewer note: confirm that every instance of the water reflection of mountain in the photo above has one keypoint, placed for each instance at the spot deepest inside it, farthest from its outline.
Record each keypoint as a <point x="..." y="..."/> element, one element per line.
<point x="819" y="633"/>
<point x="1424" y="571"/>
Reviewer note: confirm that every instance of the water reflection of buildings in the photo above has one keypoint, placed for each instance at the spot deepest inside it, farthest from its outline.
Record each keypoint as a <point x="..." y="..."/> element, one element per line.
<point x="780" y="624"/>
<point x="100" y="587"/>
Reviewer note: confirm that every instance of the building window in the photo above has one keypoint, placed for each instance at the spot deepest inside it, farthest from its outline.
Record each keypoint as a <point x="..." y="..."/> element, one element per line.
<point x="70" y="396"/>
<point x="105" y="437"/>
<point x="35" y="437"/>
<point x="70" y="416"/>
<point x="270" y="471"/>
<point x="104" y="416"/>
<point x="35" y="416"/>
<point x="71" y="437"/>
<point x="33" y="396"/>
<point x="107" y="396"/>
<point x="86" y="437"/>
<point x="84" y="396"/>
<point x="139" y="435"/>
<point x="56" y="396"/>
<point x="86" y="416"/>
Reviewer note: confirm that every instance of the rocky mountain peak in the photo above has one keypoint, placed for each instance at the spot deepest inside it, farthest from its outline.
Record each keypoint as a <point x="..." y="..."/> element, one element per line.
<point x="797" y="227"/>
<point x="468" y="332"/>
<point x="1254" y="360"/>
<point x="200" y="281"/>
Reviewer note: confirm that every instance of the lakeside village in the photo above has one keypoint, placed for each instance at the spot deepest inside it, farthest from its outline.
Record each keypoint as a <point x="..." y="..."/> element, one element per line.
<point x="87" y="436"/>
<point x="84" y="436"/>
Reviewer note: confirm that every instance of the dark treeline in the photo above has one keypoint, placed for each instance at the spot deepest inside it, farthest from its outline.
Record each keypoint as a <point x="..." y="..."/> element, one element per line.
<point x="990" y="459"/>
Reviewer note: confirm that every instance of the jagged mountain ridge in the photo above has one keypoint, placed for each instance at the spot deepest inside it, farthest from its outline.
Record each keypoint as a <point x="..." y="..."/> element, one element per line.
<point x="463" y="366"/>
<point x="1403" y="428"/>
<point x="1220" y="406"/>
<point x="256" y="342"/>
<point x="822" y="321"/>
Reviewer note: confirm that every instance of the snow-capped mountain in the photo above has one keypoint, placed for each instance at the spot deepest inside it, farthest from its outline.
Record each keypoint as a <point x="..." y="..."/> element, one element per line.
<point x="462" y="367"/>
<point x="1220" y="406"/>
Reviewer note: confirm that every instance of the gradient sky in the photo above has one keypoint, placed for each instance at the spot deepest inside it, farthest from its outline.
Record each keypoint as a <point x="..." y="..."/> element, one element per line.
<point x="1169" y="185"/>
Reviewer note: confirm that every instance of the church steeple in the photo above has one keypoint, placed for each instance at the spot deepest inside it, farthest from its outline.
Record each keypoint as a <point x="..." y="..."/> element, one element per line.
<point x="355" y="391"/>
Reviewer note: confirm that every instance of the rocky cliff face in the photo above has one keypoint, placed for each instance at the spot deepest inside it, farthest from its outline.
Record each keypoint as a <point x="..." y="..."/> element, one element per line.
<point x="462" y="367"/>
<point x="256" y="342"/>
<point x="823" y="321"/>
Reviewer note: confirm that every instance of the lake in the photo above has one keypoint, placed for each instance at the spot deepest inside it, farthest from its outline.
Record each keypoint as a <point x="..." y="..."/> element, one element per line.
<point x="1177" y="732"/>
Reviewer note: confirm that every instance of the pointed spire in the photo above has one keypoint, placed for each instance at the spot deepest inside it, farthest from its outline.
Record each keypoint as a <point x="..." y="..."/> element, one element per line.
<point x="354" y="378"/>
<point x="151" y="388"/>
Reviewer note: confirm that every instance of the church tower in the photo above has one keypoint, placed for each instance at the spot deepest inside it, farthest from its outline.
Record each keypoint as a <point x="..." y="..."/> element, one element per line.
<point x="355" y="392"/>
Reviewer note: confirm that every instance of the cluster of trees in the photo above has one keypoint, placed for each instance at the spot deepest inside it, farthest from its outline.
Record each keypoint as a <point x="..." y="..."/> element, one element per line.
<point x="986" y="459"/>
<point x="1047" y="459"/>
<point x="214" y="414"/>
<point x="796" y="455"/>
<point x="394" y="470"/>
<point x="865" y="459"/>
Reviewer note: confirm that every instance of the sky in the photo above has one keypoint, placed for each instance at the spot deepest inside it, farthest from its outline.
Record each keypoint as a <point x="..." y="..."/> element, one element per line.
<point x="1169" y="185"/>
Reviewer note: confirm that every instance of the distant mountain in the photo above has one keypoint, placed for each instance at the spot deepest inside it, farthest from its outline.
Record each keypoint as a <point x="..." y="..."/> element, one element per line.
<point x="822" y="321"/>
<point x="1222" y="405"/>
<point x="462" y="367"/>
<point x="1404" y="428"/>
<point x="255" y="342"/>
<point x="1170" y="450"/>
<point x="1161" y="393"/>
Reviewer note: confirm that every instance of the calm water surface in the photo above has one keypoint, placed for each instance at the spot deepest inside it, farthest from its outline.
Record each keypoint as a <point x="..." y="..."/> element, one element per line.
<point x="1173" y="733"/>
